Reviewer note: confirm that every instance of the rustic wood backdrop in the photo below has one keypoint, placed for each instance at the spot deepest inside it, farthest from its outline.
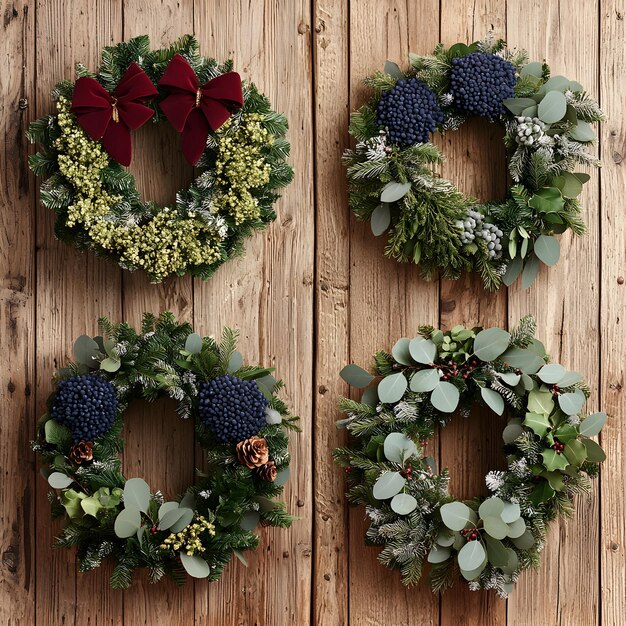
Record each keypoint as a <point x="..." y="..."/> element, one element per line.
<point x="312" y="294"/>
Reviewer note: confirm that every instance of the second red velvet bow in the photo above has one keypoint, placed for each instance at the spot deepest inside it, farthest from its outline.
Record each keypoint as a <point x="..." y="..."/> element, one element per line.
<point x="111" y="116"/>
<point x="195" y="109"/>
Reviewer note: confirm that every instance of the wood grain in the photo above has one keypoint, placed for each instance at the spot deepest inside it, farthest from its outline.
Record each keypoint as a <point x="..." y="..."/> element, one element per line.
<point x="312" y="293"/>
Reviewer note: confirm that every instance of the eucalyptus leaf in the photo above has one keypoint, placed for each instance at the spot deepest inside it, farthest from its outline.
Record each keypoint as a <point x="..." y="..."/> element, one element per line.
<point x="391" y="388"/>
<point x="388" y="485"/>
<point x="423" y="350"/>
<point x="510" y="512"/>
<point x="533" y="69"/>
<point x="523" y="359"/>
<point x="439" y="554"/>
<point x="570" y="185"/>
<point x="393" y="69"/>
<point x="137" y="494"/>
<point x="582" y="132"/>
<point x="57" y="434"/>
<point x="370" y="397"/>
<point x="513" y="271"/>
<point x="473" y="574"/>
<point x="491" y="507"/>
<point x="272" y="416"/>
<point x="595" y="453"/>
<point x="403" y="503"/>
<point x="400" y="351"/>
<point x="552" y="108"/>
<point x="569" y="379"/>
<point x="551" y="373"/>
<point x="170" y="518"/>
<point x="392" y="192"/>
<point x="235" y="363"/>
<point x="510" y="378"/>
<point x="193" y="343"/>
<point x="424" y="380"/>
<point x="356" y="376"/>
<point x="166" y="507"/>
<point x="517" y="528"/>
<point x="249" y="520"/>
<point x="380" y="219"/>
<point x="127" y="523"/>
<point x="183" y="521"/>
<point x="572" y="403"/>
<point x="531" y="269"/>
<point x="525" y="542"/>
<point x="495" y="527"/>
<point x="576" y="452"/>
<point x="490" y="343"/>
<point x="511" y="432"/>
<point x="398" y="448"/>
<point x="592" y="424"/>
<point x="86" y="351"/>
<point x="497" y="554"/>
<point x="282" y="476"/>
<point x="445" y="397"/>
<point x="110" y="365"/>
<point x="548" y="249"/>
<point x="195" y="565"/>
<point x="58" y="480"/>
<point x="517" y="105"/>
<point x="471" y="555"/>
<point x="493" y="400"/>
<point x="445" y="540"/>
<point x="455" y="515"/>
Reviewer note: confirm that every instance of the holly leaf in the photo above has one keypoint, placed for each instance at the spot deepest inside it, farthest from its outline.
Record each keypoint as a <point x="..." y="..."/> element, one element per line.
<point x="553" y="461"/>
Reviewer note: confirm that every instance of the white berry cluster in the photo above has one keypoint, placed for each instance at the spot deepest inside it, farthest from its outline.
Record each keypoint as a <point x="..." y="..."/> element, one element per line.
<point x="475" y="227"/>
<point x="529" y="130"/>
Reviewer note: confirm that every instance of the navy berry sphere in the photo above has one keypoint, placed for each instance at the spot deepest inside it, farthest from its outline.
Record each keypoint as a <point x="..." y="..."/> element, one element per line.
<point x="86" y="404"/>
<point x="479" y="82"/>
<point x="231" y="408"/>
<point x="410" y="112"/>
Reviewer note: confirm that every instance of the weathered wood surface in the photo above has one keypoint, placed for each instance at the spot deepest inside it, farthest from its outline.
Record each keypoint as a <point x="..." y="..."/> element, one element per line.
<point x="312" y="293"/>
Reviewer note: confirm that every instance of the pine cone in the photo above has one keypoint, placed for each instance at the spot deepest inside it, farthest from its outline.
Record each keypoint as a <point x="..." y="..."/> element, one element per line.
<point x="253" y="452"/>
<point x="82" y="452"/>
<point x="267" y="472"/>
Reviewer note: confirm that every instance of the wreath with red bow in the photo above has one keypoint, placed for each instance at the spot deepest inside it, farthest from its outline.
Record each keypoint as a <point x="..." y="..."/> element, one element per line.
<point x="229" y="132"/>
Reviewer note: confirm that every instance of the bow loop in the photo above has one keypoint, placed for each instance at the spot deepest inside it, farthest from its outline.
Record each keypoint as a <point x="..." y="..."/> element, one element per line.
<point x="109" y="117"/>
<point x="193" y="109"/>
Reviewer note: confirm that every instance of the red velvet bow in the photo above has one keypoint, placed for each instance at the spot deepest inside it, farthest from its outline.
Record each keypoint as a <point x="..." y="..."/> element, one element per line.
<point x="195" y="109"/>
<point x="111" y="116"/>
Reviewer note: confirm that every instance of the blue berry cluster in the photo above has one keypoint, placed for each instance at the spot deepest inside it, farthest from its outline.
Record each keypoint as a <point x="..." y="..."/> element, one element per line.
<point x="86" y="404"/>
<point x="231" y="408"/>
<point x="410" y="112"/>
<point x="479" y="82"/>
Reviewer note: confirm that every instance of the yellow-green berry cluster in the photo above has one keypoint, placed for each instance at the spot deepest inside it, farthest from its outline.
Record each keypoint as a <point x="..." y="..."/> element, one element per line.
<point x="188" y="539"/>
<point x="241" y="167"/>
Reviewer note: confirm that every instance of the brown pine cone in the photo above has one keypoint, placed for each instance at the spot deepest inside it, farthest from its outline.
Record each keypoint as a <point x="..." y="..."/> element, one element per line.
<point x="267" y="472"/>
<point x="81" y="453"/>
<point x="253" y="452"/>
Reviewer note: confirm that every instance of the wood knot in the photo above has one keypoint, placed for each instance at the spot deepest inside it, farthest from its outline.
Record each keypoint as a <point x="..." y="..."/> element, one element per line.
<point x="620" y="280"/>
<point x="303" y="28"/>
<point x="22" y="104"/>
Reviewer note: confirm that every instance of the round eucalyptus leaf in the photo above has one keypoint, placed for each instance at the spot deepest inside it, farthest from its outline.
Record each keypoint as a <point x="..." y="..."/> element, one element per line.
<point x="392" y="192"/>
<point x="582" y="132"/>
<point x="572" y="403"/>
<point x="356" y="376"/>
<point x="490" y="343"/>
<point x="510" y="512"/>
<point x="445" y="397"/>
<point x="403" y="503"/>
<point x="282" y="476"/>
<point x="510" y="378"/>
<point x="445" y="540"/>
<point x="392" y="388"/>
<point x="455" y="515"/>
<point x="170" y="518"/>
<point x="195" y="565"/>
<point x="551" y="373"/>
<point x="533" y="69"/>
<point x="183" y="521"/>
<point x="439" y="554"/>
<point x="137" y="494"/>
<point x="471" y="555"/>
<point x="512" y="562"/>
<point x="193" y="343"/>
<point x="493" y="400"/>
<point x="569" y="379"/>
<point x="423" y="350"/>
<point x="495" y="527"/>
<point x="592" y="424"/>
<point x="524" y="542"/>
<point x="553" y="107"/>
<point x="388" y="485"/>
<point x="398" y="447"/>
<point x="511" y="432"/>
<point x="497" y="554"/>
<point x="110" y="365"/>
<point x="370" y="397"/>
<point x="235" y="363"/>
<point x="523" y="359"/>
<point x="86" y="351"/>
<point x="595" y="453"/>
<point x="393" y="69"/>
<point x="517" y="528"/>
<point x="380" y="219"/>
<point x="166" y="507"/>
<point x="188" y="501"/>
<point x="400" y="351"/>
<point x="127" y="523"/>
<point x="491" y="507"/>
<point x="548" y="249"/>
<point x="58" y="480"/>
<point x="424" y="380"/>
<point x="249" y="520"/>
<point x="474" y="573"/>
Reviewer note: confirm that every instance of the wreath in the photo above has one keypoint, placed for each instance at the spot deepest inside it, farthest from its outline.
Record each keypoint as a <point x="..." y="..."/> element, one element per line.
<point x="547" y="442"/>
<point x="430" y="222"/>
<point x="240" y="424"/>
<point x="228" y="131"/>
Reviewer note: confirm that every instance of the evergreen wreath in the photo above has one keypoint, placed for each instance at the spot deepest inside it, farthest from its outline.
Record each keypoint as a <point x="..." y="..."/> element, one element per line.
<point x="547" y="442"/>
<point x="240" y="169"/>
<point x="241" y="425"/>
<point x="546" y="122"/>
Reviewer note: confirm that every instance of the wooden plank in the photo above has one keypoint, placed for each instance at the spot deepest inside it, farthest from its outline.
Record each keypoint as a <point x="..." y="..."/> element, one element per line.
<point x="73" y="290"/>
<point x="564" y="300"/>
<point x="331" y="81"/>
<point x="17" y="320"/>
<point x="268" y="295"/>
<point x="612" y="70"/>
<point x="476" y="164"/>
<point x="387" y="300"/>
<point x="154" y="432"/>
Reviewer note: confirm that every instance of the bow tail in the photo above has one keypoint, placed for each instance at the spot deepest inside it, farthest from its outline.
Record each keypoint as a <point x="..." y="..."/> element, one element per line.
<point x="116" y="141"/>
<point x="194" y="136"/>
